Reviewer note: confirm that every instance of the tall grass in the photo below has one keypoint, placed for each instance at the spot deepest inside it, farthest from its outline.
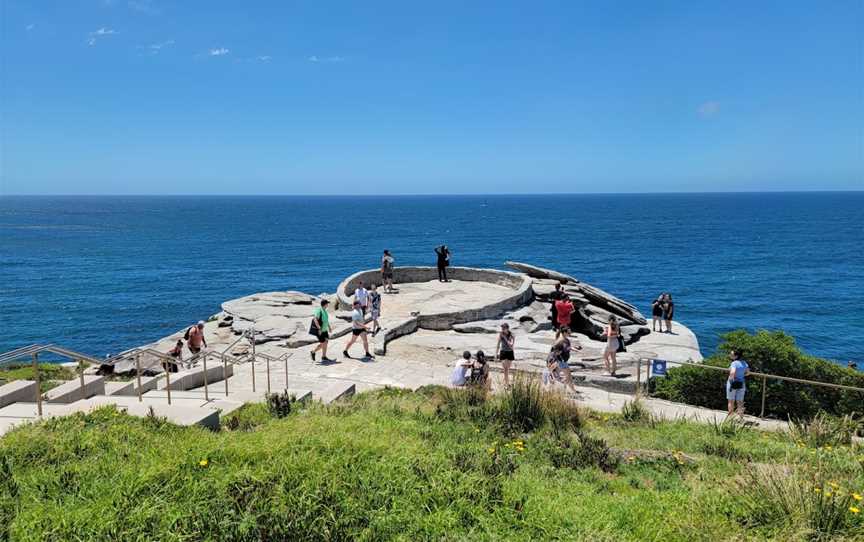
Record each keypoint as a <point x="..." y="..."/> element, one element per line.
<point x="792" y="499"/>
<point x="825" y="430"/>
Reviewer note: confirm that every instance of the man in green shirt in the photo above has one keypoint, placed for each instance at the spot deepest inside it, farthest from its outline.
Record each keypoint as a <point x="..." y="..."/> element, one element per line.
<point x="321" y="328"/>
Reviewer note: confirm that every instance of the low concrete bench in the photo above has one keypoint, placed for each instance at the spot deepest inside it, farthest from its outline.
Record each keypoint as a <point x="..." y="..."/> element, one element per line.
<point x="194" y="378"/>
<point x="71" y="391"/>
<point x="17" y="391"/>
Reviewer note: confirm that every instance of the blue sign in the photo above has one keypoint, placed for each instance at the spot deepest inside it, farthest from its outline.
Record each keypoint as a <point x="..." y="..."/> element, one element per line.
<point x="658" y="367"/>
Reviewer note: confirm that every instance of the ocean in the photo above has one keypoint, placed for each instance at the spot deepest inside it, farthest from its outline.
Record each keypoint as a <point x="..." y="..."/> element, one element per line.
<point x="103" y="274"/>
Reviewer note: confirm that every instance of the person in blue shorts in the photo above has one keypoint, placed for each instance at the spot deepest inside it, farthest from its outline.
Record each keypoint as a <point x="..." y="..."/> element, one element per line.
<point x="735" y="383"/>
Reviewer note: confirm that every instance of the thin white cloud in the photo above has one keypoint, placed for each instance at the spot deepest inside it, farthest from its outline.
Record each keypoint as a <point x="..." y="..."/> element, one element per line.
<point x="709" y="109"/>
<point x="156" y="47"/>
<point x="221" y="51"/>
<point x="143" y="6"/>
<point x="264" y="58"/>
<point x="316" y="58"/>
<point x="98" y="34"/>
<point x="30" y="27"/>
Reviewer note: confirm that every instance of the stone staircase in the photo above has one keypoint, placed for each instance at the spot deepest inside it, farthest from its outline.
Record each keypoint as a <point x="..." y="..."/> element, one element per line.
<point x="190" y="405"/>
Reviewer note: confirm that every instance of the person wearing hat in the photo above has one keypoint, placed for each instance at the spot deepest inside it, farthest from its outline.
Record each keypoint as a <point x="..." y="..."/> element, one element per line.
<point x="195" y="337"/>
<point x="321" y="329"/>
<point x="358" y="329"/>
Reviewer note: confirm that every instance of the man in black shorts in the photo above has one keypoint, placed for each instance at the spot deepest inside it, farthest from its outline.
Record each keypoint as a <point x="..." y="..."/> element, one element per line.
<point x="358" y="329"/>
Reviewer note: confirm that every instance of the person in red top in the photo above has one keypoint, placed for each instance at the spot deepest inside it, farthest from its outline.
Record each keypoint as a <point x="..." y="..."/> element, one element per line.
<point x="563" y="309"/>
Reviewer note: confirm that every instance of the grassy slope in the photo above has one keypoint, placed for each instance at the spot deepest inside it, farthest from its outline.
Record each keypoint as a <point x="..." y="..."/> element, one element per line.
<point x="383" y="466"/>
<point x="47" y="372"/>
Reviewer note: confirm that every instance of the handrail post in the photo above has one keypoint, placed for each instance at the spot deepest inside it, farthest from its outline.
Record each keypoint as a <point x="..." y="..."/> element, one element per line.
<point x="225" y="373"/>
<point x="285" y="357"/>
<point x="167" y="380"/>
<point x="38" y="383"/>
<point x="268" y="375"/>
<point x="206" y="393"/>
<point x="638" y="377"/>
<point x="138" y="375"/>
<point x="764" y="381"/>
<point x="252" y="339"/>
<point x="81" y="370"/>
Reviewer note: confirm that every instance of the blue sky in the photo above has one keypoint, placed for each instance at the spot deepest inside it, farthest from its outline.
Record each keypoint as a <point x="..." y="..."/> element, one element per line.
<point x="193" y="97"/>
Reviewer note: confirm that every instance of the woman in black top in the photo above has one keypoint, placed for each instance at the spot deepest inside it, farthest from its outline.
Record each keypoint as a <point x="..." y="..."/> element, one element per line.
<point x="443" y="261"/>
<point x="668" y="312"/>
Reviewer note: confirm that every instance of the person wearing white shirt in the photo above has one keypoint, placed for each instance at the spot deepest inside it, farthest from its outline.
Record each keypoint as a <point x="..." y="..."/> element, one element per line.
<point x="459" y="377"/>
<point x="361" y="295"/>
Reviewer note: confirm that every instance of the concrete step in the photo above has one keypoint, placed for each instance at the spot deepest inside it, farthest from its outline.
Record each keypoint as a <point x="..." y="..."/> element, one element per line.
<point x="194" y="377"/>
<point x="19" y="390"/>
<point x="322" y="389"/>
<point x="180" y="414"/>
<point x="71" y="391"/>
<point x="130" y="388"/>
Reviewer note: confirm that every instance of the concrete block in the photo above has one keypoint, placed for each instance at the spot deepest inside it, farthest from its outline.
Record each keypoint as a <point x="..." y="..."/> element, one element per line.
<point x="19" y="390"/>
<point x="71" y="390"/>
<point x="194" y="378"/>
<point x="130" y="389"/>
<point x="336" y="391"/>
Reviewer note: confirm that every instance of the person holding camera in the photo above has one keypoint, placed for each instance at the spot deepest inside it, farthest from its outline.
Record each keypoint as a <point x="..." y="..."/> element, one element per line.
<point x="735" y="383"/>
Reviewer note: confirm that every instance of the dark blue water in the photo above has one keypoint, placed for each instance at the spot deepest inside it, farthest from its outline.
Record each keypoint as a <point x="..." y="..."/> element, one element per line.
<point x="101" y="274"/>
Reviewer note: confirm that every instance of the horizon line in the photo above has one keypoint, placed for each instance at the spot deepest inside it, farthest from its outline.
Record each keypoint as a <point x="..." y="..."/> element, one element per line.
<point x="450" y="194"/>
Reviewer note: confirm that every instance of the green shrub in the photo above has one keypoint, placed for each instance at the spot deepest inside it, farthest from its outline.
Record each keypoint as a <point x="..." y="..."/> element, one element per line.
<point x="824" y="429"/>
<point x="729" y="427"/>
<point x="790" y="499"/>
<point x="562" y="414"/>
<point x="520" y="409"/>
<point x="725" y="449"/>
<point x="279" y="404"/>
<point x="577" y="451"/>
<point x="771" y="353"/>
<point x="635" y="412"/>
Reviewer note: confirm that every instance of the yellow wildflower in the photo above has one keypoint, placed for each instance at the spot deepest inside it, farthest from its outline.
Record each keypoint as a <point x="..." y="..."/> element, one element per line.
<point x="854" y="509"/>
<point x="828" y="493"/>
<point x="817" y="490"/>
<point x="827" y="447"/>
<point x="491" y="450"/>
<point x="856" y="496"/>
<point x="203" y="463"/>
<point x="833" y="484"/>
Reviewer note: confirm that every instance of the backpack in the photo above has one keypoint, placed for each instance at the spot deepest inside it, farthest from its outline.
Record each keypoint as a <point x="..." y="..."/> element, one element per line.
<point x="186" y="335"/>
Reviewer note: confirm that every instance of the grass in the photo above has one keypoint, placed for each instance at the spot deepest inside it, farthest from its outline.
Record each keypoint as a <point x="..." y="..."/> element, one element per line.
<point x="49" y="373"/>
<point x="435" y="464"/>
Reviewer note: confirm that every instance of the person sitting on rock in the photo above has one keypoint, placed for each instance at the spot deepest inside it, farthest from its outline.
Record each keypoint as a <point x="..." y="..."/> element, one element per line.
<point x="358" y="329"/>
<point x="461" y="367"/>
<point x="480" y="370"/>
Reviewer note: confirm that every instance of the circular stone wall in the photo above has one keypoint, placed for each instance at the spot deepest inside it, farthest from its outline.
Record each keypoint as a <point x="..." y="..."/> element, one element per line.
<point x="515" y="291"/>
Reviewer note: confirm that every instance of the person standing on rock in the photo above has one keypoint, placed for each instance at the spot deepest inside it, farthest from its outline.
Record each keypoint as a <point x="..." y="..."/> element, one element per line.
<point x="555" y="296"/>
<point x="735" y="383"/>
<point x="195" y="337"/>
<point x="375" y="308"/>
<point x="361" y="295"/>
<point x="387" y="263"/>
<point x="443" y="262"/>
<point x="505" y="350"/>
<point x="557" y="357"/>
<point x="564" y="309"/>
<point x="657" y="314"/>
<point x="358" y="329"/>
<point x="610" y="355"/>
<point x="668" y="312"/>
<point x="321" y="329"/>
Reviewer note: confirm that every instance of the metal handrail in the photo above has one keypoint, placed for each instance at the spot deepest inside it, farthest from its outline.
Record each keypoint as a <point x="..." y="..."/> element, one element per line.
<point x="764" y="376"/>
<point x="11" y="356"/>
